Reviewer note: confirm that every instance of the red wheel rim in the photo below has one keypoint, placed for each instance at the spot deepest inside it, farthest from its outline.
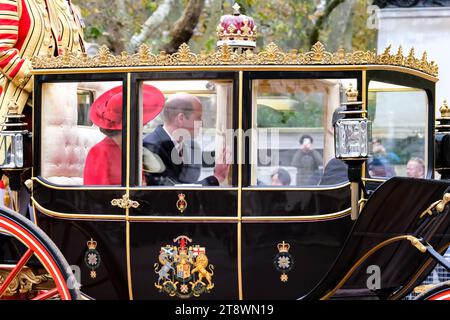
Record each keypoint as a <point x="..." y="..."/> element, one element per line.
<point x="41" y="254"/>
<point x="441" y="296"/>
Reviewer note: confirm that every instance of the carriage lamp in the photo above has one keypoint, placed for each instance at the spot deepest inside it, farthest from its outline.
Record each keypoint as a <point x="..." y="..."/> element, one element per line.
<point x="15" y="143"/>
<point x="442" y="139"/>
<point x="351" y="136"/>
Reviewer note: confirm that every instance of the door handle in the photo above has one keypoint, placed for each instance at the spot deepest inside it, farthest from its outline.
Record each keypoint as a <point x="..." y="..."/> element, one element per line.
<point x="124" y="203"/>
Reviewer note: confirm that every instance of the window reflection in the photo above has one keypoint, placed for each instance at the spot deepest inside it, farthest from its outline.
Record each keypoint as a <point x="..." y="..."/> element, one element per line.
<point x="189" y="142"/>
<point x="399" y="124"/>
<point x="294" y="131"/>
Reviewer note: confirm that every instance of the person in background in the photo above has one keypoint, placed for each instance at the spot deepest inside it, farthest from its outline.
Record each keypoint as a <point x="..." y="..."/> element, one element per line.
<point x="380" y="163"/>
<point x="415" y="168"/>
<point x="307" y="161"/>
<point x="280" y="177"/>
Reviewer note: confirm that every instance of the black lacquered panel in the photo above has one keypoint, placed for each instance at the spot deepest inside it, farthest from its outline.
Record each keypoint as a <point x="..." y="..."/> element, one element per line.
<point x="313" y="248"/>
<point x="72" y="237"/>
<point x="157" y="202"/>
<point x="218" y="239"/>
<point x="78" y="201"/>
<point x="294" y="202"/>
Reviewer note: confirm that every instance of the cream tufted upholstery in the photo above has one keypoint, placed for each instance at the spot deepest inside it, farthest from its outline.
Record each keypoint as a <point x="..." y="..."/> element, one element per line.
<point x="64" y="144"/>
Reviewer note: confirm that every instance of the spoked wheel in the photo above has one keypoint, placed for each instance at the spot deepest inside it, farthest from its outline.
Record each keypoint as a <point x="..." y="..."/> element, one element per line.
<point x="439" y="292"/>
<point x="36" y="269"/>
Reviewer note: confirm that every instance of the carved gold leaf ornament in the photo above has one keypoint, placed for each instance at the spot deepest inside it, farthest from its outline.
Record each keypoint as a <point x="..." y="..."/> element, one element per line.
<point x="26" y="282"/>
<point x="224" y="55"/>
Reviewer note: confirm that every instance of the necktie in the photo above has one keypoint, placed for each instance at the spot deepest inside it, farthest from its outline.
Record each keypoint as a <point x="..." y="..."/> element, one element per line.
<point x="180" y="150"/>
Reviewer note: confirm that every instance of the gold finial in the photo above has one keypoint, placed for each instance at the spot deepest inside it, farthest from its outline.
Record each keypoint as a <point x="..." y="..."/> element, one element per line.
<point x="92" y="244"/>
<point x="445" y="110"/>
<point x="352" y="94"/>
<point x="13" y="107"/>
<point x="283" y="247"/>
<point x="236" y="7"/>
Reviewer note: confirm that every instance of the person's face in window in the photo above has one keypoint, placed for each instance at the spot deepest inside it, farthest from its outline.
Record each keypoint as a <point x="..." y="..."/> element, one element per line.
<point x="276" y="180"/>
<point x="378" y="148"/>
<point x="306" y="145"/>
<point x="414" y="169"/>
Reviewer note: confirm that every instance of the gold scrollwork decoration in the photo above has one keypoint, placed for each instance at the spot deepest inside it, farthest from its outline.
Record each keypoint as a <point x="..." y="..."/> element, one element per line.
<point x="124" y="203"/>
<point x="224" y="55"/>
<point x="26" y="282"/>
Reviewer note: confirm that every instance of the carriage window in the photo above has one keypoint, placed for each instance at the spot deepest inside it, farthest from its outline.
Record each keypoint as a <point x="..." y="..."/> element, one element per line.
<point x="81" y="133"/>
<point x="399" y="126"/>
<point x="294" y="132"/>
<point x="186" y="135"/>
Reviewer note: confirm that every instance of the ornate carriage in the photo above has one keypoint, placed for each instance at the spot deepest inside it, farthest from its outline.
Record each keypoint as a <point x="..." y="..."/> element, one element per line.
<point x="257" y="235"/>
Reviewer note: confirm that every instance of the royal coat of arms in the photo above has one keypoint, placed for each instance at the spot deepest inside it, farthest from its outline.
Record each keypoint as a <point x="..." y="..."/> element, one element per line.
<point x="183" y="269"/>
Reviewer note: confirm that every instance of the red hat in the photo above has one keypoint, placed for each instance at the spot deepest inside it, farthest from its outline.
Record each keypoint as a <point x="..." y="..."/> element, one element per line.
<point x="106" y="111"/>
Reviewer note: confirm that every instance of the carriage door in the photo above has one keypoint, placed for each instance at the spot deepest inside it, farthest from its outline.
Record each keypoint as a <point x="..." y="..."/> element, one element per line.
<point x="295" y="203"/>
<point x="183" y="234"/>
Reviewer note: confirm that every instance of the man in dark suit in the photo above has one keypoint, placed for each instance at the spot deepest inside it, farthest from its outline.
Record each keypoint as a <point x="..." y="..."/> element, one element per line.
<point x="336" y="171"/>
<point x="170" y="154"/>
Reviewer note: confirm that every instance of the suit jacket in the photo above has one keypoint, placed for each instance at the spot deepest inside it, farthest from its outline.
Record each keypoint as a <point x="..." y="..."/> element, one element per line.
<point x="172" y="169"/>
<point x="336" y="171"/>
<point x="32" y="28"/>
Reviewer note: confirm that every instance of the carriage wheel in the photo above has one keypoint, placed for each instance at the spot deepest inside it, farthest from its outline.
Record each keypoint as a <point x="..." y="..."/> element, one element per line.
<point x="37" y="246"/>
<point x="439" y="292"/>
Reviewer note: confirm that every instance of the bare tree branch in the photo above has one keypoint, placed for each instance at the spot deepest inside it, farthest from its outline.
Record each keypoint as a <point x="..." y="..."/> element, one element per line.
<point x="150" y="25"/>
<point x="183" y="29"/>
<point x="315" y="32"/>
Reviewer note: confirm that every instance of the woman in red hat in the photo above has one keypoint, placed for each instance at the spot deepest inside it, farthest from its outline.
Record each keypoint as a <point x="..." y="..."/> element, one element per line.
<point x="104" y="161"/>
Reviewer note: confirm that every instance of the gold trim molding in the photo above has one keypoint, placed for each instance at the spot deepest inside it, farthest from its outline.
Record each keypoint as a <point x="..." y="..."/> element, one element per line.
<point x="224" y="55"/>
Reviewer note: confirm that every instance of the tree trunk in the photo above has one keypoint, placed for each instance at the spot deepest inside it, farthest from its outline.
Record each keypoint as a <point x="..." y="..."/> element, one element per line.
<point x="116" y="37"/>
<point x="184" y="28"/>
<point x="315" y="32"/>
<point x="150" y="26"/>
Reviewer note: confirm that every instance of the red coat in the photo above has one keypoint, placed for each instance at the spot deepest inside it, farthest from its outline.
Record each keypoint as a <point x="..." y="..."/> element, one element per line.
<point x="103" y="164"/>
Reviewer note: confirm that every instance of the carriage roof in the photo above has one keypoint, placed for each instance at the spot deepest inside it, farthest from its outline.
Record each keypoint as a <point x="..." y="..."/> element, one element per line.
<point x="225" y="58"/>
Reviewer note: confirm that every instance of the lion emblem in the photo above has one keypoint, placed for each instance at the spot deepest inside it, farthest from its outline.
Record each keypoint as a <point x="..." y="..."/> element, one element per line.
<point x="201" y="263"/>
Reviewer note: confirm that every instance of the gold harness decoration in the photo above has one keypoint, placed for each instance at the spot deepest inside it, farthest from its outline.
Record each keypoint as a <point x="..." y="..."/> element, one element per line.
<point x="184" y="270"/>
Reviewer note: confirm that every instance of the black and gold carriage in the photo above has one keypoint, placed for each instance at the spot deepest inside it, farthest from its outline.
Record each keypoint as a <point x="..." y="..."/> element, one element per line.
<point x="279" y="225"/>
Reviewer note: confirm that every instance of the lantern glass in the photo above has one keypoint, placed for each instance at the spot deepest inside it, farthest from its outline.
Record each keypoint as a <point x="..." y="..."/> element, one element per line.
<point x="11" y="150"/>
<point x="352" y="138"/>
